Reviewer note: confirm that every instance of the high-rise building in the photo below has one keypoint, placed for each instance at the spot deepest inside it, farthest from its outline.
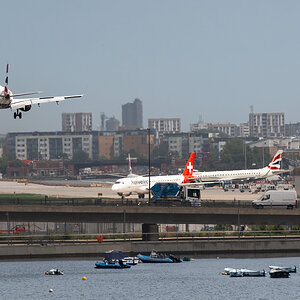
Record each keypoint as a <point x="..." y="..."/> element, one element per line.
<point x="170" y="125"/>
<point x="76" y="122"/>
<point x="266" y="125"/>
<point x="132" y="115"/>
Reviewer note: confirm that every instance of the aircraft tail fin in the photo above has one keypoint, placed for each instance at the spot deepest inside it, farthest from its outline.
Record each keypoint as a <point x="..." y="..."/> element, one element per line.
<point x="189" y="168"/>
<point x="6" y="81"/>
<point x="275" y="163"/>
<point x="129" y="164"/>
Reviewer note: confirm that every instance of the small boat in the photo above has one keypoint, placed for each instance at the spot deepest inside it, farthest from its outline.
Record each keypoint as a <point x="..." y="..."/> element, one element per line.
<point x="236" y="273"/>
<point x="288" y="269"/>
<point x="117" y="255"/>
<point x="115" y="264"/>
<point x="154" y="257"/>
<point x="253" y="273"/>
<point x="279" y="273"/>
<point x="54" y="272"/>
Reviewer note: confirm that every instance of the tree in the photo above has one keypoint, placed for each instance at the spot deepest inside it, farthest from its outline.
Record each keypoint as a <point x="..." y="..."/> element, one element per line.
<point x="3" y="163"/>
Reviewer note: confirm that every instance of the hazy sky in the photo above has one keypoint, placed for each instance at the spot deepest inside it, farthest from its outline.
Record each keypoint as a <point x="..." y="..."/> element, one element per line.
<point x="181" y="58"/>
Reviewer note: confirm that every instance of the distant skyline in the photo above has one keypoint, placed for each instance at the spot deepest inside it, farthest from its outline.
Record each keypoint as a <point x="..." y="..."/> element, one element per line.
<point x="182" y="59"/>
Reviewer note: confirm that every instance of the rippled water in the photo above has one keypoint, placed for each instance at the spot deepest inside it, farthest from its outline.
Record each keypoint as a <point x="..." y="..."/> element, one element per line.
<point x="199" y="279"/>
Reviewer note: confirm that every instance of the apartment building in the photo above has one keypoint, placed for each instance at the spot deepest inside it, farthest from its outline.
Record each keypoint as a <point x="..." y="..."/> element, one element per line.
<point x="266" y="125"/>
<point x="77" y="122"/>
<point x="51" y="145"/>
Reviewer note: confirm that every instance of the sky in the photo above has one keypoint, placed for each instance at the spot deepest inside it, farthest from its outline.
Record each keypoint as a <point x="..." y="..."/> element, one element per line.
<point x="191" y="59"/>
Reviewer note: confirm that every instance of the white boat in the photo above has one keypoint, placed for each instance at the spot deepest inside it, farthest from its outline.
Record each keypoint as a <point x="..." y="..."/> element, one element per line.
<point x="236" y="273"/>
<point x="131" y="260"/>
<point x="288" y="269"/>
<point x="54" y="272"/>
<point x="253" y="273"/>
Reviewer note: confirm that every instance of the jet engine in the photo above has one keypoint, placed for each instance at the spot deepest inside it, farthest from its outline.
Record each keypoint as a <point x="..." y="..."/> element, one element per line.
<point x="26" y="108"/>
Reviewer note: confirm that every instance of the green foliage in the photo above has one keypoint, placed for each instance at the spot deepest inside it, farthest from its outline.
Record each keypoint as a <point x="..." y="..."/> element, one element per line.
<point x="3" y="163"/>
<point x="233" y="156"/>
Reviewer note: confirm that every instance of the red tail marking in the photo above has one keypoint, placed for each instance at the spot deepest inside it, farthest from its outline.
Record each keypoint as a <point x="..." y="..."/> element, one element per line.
<point x="189" y="168"/>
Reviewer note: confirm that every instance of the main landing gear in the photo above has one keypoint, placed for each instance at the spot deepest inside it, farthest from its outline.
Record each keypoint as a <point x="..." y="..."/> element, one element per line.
<point x="17" y="114"/>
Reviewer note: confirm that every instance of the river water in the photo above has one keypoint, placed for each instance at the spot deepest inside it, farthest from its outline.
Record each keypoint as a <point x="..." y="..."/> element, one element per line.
<point x="198" y="279"/>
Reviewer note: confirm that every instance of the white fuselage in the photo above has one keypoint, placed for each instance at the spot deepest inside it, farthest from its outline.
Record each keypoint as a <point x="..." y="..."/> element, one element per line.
<point x="140" y="184"/>
<point x="233" y="175"/>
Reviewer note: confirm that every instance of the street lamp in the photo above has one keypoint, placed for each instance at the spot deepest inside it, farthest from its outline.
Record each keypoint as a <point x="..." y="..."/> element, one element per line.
<point x="149" y="167"/>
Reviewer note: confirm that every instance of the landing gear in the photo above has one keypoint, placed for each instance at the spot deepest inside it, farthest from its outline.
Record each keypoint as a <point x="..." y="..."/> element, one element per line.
<point x="17" y="114"/>
<point x="141" y="196"/>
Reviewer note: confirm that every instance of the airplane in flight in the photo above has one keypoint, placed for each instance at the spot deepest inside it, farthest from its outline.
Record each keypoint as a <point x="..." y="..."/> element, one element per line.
<point x="7" y="99"/>
<point x="140" y="184"/>
<point x="273" y="168"/>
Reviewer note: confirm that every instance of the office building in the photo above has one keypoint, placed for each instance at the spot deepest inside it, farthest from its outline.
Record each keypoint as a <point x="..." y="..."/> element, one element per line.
<point x="132" y="115"/>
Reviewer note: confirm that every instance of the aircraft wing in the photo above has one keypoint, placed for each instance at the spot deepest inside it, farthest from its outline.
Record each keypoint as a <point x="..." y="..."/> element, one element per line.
<point x="21" y="103"/>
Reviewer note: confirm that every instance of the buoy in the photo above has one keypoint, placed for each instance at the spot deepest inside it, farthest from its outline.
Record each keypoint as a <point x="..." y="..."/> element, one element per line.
<point x="50" y="291"/>
<point x="83" y="278"/>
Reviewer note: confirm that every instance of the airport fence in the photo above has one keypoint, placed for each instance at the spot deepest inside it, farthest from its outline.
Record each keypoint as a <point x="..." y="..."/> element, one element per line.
<point x="101" y="201"/>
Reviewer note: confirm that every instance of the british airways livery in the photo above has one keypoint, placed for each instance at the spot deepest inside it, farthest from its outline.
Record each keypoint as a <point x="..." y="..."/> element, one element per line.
<point x="7" y="99"/>
<point x="273" y="168"/>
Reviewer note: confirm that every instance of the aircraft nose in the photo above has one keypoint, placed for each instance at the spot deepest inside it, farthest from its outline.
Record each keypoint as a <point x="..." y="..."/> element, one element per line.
<point x="114" y="187"/>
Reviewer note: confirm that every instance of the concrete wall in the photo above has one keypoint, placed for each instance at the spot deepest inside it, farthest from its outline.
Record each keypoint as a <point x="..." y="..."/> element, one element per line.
<point x="196" y="248"/>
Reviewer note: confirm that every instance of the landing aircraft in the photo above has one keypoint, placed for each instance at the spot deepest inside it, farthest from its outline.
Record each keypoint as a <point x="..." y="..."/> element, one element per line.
<point x="140" y="184"/>
<point x="273" y="168"/>
<point x="7" y="99"/>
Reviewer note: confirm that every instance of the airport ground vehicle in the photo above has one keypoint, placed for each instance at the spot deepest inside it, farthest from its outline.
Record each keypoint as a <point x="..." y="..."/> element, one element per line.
<point x="272" y="198"/>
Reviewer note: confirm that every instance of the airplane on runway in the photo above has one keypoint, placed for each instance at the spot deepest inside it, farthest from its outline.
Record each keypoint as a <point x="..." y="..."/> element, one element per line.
<point x="140" y="184"/>
<point x="7" y="99"/>
<point x="273" y="168"/>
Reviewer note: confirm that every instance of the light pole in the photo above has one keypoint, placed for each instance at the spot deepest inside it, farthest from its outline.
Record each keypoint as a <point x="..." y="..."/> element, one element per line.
<point x="245" y="152"/>
<point x="149" y="170"/>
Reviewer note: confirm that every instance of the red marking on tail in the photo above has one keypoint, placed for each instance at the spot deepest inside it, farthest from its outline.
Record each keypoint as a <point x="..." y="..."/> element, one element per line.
<point x="189" y="168"/>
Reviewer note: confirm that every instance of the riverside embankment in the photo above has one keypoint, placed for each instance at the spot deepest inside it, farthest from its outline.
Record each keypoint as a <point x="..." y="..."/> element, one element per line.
<point x="200" y="248"/>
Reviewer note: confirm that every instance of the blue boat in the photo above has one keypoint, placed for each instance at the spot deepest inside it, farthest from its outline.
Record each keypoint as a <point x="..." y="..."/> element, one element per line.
<point x="156" y="258"/>
<point x="117" y="264"/>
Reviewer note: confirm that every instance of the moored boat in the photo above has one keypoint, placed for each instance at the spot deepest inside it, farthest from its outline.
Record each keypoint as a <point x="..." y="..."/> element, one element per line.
<point x="156" y="258"/>
<point x="288" y="269"/>
<point x="253" y="273"/>
<point x="54" y="272"/>
<point x="279" y="273"/>
<point x="116" y="264"/>
<point x="117" y="255"/>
